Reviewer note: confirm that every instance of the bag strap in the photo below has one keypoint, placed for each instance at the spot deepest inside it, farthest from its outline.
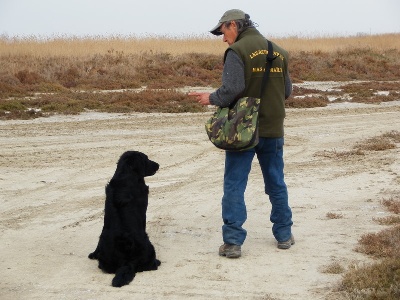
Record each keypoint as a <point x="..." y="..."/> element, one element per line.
<point x="268" y="63"/>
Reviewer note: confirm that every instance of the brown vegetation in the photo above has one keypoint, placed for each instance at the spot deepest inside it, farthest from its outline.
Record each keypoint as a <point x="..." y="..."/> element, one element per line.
<point x="35" y="72"/>
<point x="333" y="268"/>
<point x="331" y="215"/>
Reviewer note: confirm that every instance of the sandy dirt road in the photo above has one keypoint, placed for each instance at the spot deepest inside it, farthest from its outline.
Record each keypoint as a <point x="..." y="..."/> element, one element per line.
<point x="52" y="177"/>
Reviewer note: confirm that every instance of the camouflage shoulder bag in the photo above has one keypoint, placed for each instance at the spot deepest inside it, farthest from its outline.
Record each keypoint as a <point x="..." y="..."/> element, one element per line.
<point x="236" y="128"/>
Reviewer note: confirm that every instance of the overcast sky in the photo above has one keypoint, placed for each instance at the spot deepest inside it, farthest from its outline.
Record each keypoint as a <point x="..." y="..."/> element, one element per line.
<point x="180" y="18"/>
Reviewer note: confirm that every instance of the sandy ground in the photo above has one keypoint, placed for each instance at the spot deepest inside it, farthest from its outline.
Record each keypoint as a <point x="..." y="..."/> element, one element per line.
<point x="52" y="177"/>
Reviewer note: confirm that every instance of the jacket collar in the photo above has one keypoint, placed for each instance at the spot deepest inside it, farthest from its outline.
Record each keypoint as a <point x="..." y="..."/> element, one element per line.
<point x="248" y="32"/>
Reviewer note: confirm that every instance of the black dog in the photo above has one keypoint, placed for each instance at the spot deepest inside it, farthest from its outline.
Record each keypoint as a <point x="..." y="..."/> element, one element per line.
<point x="124" y="247"/>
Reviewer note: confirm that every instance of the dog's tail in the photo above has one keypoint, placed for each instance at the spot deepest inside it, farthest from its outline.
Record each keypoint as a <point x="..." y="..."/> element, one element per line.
<point x="124" y="275"/>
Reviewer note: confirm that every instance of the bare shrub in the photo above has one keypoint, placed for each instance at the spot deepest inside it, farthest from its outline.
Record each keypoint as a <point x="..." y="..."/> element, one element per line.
<point x="331" y="215"/>
<point x="393" y="205"/>
<point x="333" y="268"/>
<point x="378" y="143"/>
<point x="335" y="154"/>
<point x="389" y="220"/>
<point x="383" y="244"/>
<point x="28" y="77"/>
<point x="307" y="102"/>
<point x="373" y="282"/>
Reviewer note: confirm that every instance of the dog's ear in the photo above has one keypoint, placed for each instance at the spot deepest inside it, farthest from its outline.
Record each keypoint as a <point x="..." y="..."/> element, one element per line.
<point x="131" y="162"/>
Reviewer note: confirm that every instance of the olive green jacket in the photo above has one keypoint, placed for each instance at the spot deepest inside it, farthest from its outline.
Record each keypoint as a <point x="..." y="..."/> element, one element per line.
<point x="252" y="47"/>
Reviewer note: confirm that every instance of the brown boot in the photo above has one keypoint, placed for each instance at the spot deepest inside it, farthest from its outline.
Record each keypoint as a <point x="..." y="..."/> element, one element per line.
<point x="286" y="244"/>
<point x="230" y="251"/>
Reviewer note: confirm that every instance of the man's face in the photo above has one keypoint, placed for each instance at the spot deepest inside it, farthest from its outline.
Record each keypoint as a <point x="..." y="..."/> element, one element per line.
<point x="229" y="33"/>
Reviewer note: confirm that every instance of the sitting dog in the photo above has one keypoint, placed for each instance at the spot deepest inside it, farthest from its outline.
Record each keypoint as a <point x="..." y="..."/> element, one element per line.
<point x="124" y="247"/>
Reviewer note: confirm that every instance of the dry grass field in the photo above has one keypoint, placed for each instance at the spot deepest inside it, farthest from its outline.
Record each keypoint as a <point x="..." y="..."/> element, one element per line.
<point x="70" y="76"/>
<point x="78" y="46"/>
<point x="59" y="75"/>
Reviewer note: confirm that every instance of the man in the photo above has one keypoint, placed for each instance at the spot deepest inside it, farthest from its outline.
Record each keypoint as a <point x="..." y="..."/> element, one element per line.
<point x="244" y="67"/>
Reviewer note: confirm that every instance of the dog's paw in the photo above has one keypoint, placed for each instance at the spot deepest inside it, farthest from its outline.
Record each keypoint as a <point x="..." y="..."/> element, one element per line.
<point x="92" y="255"/>
<point x="153" y="266"/>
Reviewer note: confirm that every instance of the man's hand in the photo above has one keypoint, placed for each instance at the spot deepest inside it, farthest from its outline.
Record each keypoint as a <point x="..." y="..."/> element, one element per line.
<point x="202" y="98"/>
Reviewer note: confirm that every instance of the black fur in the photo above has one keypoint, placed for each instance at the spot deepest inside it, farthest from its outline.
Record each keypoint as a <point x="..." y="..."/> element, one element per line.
<point x="124" y="247"/>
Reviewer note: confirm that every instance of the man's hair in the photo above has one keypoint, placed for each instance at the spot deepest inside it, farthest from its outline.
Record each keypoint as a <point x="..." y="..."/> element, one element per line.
<point x="242" y="24"/>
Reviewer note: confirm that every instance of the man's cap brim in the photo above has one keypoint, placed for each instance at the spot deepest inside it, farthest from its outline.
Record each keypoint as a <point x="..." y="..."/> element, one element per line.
<point x="217" y="29"/>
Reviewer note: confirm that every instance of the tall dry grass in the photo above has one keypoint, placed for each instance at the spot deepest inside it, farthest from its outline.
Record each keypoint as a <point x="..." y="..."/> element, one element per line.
<point x="74" y="46"/>
<point x="383" y="42"/>
<point x="83" y="46"/>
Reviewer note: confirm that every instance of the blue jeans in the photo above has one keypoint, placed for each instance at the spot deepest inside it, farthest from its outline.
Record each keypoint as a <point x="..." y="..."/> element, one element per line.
<point x="237" y="168"/>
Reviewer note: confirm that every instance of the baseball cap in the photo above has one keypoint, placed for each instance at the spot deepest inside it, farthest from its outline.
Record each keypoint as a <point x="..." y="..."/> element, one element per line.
<point x="230" y="15"/>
